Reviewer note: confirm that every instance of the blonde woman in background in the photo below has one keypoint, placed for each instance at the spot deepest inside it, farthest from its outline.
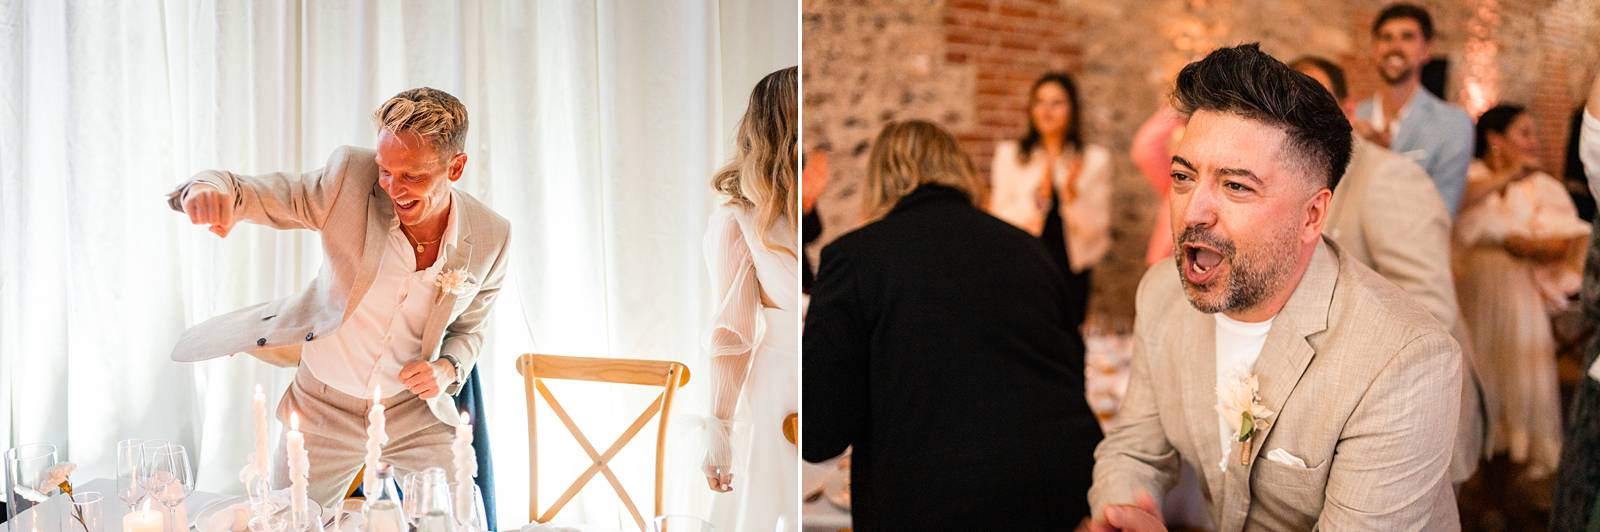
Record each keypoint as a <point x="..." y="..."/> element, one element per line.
<point x="1055" y="187"/>
<point x="754" y="260"/>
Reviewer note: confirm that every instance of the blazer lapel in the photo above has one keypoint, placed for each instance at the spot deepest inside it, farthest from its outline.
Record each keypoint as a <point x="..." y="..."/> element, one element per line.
<point x="380" y="213"/>
<point x="1282" y="362"/>
<point x="459" y="258"/>
<point x="1198" y="360"/>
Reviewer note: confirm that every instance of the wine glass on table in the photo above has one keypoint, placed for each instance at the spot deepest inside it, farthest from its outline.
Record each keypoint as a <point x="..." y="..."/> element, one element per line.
<point x="172" y="479"/>
<point x="130" y="488"/>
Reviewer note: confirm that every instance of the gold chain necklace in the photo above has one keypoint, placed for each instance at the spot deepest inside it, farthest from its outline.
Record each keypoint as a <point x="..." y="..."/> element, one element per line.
<point x="421" y="246"/>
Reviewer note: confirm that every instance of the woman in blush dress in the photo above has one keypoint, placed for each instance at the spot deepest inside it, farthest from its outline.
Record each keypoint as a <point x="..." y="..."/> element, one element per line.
<point x="1519" y="245"/>
<point x="754" y="260"/>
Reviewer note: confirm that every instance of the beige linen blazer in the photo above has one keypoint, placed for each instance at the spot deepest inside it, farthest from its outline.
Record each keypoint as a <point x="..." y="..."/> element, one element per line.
<point x="344" y="203"/>
<point x="1387" y="214"/>
<point x="1366" y="387"/>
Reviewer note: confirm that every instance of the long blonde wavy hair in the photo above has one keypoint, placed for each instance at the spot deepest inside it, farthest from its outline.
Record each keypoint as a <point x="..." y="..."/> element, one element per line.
<point x="762" y="174"/>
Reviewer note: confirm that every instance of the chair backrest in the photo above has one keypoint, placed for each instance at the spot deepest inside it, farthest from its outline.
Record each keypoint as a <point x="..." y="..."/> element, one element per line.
<point x="536" y="368"/>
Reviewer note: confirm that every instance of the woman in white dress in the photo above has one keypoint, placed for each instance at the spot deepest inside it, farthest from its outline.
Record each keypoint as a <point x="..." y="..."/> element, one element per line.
<point x="1055" y="187"/>
<point x="1519" y="245"/>
<point x="753" y="257"/>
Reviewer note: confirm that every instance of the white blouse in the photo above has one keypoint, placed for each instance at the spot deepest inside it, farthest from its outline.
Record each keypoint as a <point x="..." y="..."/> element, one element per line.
<point x="1014" y="197"/>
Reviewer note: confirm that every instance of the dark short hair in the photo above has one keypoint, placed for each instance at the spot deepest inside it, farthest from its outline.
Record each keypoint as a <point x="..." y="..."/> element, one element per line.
<point x="1496" y="120"/>
<point x="1245" y="81"/>
<point x="1328" y="68"/>
<point x="1404" y="10"/>
<point x="1031" y="139"/>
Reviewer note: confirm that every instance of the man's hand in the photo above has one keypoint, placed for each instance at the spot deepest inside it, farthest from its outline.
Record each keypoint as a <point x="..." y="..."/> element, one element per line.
<point x="1142" y="516"/>
<point x="206" y="205"/>
<point x="814" y="178"/>
<point x="1370" y="133"/>
<point x="427" y="379"/>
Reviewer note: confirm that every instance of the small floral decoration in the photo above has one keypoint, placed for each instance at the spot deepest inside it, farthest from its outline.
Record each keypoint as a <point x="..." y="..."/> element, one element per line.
<point x="455" y="282"/>
<point x="1240" y="405"/>
<point x="57" y="478"/>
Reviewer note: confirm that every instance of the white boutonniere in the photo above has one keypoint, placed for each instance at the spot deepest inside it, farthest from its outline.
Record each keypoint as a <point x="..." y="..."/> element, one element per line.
<point x="1239" y="405"/>
<point x="454" y="282"/>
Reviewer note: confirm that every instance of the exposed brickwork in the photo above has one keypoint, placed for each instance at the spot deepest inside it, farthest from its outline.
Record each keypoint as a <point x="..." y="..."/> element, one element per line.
<point x="967" y="64"/>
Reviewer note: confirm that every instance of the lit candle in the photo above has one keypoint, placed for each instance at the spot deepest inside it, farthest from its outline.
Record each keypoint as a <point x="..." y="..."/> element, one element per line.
<point x="466" y="467"/>
<point x="261" y="433"/>
<point x="143" y="520"/>
<point x="299" y="467"/>
<point x="375" y="440"/>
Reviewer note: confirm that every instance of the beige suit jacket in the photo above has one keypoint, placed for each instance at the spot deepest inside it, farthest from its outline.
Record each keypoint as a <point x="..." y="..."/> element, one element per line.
<point x="1387" y="214"/>
<point x="1366" y="387"/>
<point x="344" y="203"/>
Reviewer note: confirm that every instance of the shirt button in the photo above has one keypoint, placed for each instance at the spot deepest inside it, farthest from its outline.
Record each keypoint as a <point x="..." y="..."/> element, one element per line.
<point x="261" y="341"/>
<point x="309" y="336"/>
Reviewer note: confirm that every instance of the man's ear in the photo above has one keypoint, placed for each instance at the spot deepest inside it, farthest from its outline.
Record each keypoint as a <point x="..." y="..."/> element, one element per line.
<point x="458" y="164"/>
<point x="1316" y="215"/>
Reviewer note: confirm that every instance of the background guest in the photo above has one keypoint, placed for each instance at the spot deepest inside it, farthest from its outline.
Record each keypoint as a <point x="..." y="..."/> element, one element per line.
<point x="938" y="343"/>
<point x="1055" y="187"/>
<point x="1402" y="117"/>
<point x="1517" y="241"/>
<point x="1152" y="155"/>
<point x="752" y="257"/>
<point x="1387" y="214"/>
<point x="1578" y="480"/>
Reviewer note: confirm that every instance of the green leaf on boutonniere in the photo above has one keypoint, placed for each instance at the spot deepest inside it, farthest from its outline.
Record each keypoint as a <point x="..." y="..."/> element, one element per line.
<point x="1247" y="426"/>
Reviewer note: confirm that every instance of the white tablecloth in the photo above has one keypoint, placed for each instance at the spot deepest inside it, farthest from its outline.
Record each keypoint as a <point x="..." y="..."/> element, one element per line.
<point x="113" y="508"/>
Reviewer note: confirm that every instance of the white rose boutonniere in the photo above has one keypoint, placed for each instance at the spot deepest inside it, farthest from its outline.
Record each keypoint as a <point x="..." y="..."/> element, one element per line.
<point x="454" y="282"/>
<point x="1241" y="407"/>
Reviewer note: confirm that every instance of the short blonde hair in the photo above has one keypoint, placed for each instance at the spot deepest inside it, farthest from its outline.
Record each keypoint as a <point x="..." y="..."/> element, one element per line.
<point x="910" y="154"/>
<point x="430" y="113"/>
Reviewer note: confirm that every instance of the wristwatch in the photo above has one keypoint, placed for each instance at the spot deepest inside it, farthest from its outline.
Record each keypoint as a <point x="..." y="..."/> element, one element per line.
<point x="461" y="377"/>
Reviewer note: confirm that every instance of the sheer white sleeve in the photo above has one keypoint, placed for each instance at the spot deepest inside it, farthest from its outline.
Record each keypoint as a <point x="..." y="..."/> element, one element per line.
<point x="733" y="319"/>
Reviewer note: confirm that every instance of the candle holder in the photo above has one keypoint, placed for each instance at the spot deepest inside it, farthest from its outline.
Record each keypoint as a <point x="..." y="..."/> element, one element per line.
<point x="260" y="495"/>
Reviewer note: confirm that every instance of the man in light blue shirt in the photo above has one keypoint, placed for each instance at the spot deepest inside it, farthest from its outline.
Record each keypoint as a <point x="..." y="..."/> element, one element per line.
<point x="1407" y="119"/>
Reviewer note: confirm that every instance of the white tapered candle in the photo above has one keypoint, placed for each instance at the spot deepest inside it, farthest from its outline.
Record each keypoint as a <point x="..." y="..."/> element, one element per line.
<point x="299" y="467"/>
<point x="376" y="438"/>
<point x="466" y="467"/>
<point x="261" y="458"/>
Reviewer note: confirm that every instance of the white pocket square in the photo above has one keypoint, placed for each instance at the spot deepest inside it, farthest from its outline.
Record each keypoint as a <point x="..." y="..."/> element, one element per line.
<point x="1283" y="457"/>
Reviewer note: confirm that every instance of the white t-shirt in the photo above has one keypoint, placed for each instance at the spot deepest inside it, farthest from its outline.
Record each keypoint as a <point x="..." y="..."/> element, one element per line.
<point x="1238" y="345"/>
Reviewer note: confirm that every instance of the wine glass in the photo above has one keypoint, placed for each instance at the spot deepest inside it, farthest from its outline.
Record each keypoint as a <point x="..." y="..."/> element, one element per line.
<point x="148" y="449"/>
<point x="172" y="478"/>
<point x="130" y="454"/>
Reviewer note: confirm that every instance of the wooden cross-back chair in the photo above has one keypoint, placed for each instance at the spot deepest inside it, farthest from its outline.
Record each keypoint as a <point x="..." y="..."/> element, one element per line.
<point x="536" y="368"/>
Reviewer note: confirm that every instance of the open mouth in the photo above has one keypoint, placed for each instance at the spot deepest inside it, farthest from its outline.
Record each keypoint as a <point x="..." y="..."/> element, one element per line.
<point x="1201" y="263"/>
<point x="406" y="206"/>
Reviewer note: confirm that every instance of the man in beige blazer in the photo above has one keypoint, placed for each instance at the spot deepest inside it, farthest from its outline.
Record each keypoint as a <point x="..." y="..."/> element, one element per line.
<point x="1357" y="389"/>
<point x="1388" y="215"/>
<point x="412" y="268"/>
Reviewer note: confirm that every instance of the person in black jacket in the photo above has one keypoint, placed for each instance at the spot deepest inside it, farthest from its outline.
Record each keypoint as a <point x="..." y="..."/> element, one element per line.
<point x="938" y="343"/>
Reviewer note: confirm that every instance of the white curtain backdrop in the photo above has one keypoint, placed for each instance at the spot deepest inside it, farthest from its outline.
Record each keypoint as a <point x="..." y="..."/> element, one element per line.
<point x="594" y="128"/>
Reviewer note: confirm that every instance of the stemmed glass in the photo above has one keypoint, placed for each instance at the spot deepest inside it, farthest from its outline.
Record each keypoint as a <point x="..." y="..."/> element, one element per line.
<point x="426" y="499"/>
<point x="130" y="455"/>
<point x="171" y="479"/>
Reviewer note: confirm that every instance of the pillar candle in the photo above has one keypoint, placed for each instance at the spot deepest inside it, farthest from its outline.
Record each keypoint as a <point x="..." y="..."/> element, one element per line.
<point x="143" y="520"/>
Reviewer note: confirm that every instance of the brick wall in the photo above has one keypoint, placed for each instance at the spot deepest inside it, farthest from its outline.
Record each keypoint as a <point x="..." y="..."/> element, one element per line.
<point x="967" y="65"/>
